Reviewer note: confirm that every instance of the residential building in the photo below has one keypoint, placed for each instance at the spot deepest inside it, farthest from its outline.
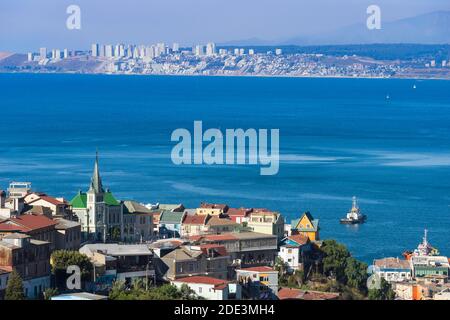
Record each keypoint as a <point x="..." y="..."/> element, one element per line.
<point x="171" y="207"/>
<point x="267" y="222"/>
<point x="211" y="49"/>
<point x="210" y="288"/>
<point x="212" y="209"/>
<point x="431" y="267"/>
<point x="98" y="211"/>
<point x="38" y="227"/>
<point x="170" y="224"/>
<point x="114" y="261"/>
<point x="137" y="222"/>
<point x="258" y="282"/>
<point x="307" y="226"/>
<point x="68" y="234"/>
<point x="393" y="269"/>
<point x="246" y="249"/>
<point x="194" y="225"/>
<point x="58" y="206"/>
<point x="217" y="225"/>
<point x="240" y="215"/>
<point x="30" y="258"/>
<point x="187" y="261"/>
<point x="293" y="250"/>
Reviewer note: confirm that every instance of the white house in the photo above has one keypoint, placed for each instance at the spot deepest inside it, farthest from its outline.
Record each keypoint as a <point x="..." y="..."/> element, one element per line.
<point x="293" y="249"/>
<point x="211" y="288"/>
<point x="393" y="269"/>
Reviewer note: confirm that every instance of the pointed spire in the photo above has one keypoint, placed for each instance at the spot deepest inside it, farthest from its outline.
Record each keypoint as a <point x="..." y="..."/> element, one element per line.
<point x="96" y="181"/>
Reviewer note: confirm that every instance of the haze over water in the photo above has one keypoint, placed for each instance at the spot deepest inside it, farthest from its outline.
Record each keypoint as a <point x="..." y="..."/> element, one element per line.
<point x="338" y="138"/>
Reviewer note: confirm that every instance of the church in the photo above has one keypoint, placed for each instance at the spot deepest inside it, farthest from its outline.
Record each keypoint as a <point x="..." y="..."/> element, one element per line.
<point x="100" y="214"/>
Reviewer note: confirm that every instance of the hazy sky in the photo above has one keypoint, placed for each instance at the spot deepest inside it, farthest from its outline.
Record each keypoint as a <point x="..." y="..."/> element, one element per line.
<point x="28" y="24"/>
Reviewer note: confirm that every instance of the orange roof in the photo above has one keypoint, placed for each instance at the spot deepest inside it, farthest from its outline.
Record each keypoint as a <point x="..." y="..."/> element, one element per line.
<point x="258" y="269"/>
<point x="217" y="283"/>
<point x="299" y="238"/>
<point x="194" y="219"/>
<point x="29" y="222"/>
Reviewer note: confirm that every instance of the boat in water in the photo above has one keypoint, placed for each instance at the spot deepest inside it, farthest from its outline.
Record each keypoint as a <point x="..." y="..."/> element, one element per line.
<point x="354" y="216"/>
<point x="423" y="249"/>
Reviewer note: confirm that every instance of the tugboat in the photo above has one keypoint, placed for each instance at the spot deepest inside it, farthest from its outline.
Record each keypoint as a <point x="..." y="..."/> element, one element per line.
<point x="354" y="216"/>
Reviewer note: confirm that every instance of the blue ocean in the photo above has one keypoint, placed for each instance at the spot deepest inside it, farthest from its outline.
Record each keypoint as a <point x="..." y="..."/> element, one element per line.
<point x="385" y="141"/>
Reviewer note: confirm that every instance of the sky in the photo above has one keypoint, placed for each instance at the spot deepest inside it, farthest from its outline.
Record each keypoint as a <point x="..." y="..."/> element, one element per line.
<point x="26" y="25"/>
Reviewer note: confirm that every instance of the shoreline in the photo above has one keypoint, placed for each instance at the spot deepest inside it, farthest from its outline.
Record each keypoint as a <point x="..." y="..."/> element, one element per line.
<point x="232" y="76"/>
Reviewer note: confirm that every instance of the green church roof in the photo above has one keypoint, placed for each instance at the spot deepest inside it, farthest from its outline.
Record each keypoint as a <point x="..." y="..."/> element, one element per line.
<point x="80" y="200"/>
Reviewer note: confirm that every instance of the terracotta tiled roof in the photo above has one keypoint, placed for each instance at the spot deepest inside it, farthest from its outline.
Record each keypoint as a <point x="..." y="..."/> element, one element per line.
<point x="197" y="219"/>
<point x="258" y="269"/>
<point x="29" y="222"/>
<point x="217" y="283"/>
<point x="299" y="238"/>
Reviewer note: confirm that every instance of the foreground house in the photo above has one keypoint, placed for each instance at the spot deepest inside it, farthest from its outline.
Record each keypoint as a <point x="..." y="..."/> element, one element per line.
<point x="210" y="288"/>
<point x="113" y="261"/>
<point x="187" y="261"/>
<point x="293" y="250"/>
<point x="258" y="282"/>
<point x="30" y="258"/>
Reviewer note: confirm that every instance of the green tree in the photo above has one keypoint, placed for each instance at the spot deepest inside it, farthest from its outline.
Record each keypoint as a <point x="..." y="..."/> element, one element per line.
<point x="61" y="259"/>
<point x="356" y="274"/>
<point x="335" y="259"/>
<point x="385" y="292"/>
<point x="14" y="288"/>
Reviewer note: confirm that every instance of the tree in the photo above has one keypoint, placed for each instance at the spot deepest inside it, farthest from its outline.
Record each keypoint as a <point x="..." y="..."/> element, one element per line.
<point x="335" y="259"/>
<point x="14" y="288"/>
<point x="356" y="274"/>
<point x="385" y="292"/>
<point x="60" y="260"/>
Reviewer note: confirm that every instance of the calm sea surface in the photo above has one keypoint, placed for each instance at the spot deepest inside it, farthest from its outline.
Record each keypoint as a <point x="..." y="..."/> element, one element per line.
<point x="338" y="137"/>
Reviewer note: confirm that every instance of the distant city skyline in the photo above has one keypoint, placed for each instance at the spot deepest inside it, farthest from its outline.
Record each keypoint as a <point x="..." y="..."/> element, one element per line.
<point x="31" y="24"/>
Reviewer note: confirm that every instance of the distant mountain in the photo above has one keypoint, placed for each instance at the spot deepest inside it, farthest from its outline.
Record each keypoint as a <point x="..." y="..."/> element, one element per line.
<point x="429" y="28"/>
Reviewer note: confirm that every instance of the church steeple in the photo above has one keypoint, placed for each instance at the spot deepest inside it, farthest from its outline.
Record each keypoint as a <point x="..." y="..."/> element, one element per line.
<point x="96" y="181"/>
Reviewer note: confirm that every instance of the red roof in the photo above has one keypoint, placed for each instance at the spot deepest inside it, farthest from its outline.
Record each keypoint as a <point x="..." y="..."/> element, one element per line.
<point x="219" y="248"/>
<point x="258" y="269"/>
<point x="195" y="219"/>
<point x="213" y="206"/>
<point x="51" y="200"/>
<point x="239" y="212"/>
<point x="217" y="283"/>
<point x="28" y="222"/>
<point x="299" y="238"/>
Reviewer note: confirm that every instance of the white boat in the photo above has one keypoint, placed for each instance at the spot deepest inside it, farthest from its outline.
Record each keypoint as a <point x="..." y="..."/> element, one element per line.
<point x="354" y="216"/>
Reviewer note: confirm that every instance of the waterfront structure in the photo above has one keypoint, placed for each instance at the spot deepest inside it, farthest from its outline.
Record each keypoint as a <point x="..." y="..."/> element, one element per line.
<point x="210" y="288"/>
<point x="30" y="258"/>
<point x="306" y="225"/>
<point x="393" y="269"/>
<point x="267" y="222"/>
<point x="293" y="250"/>
<point x="98" y="211"/>
<point x="258" y="282"/>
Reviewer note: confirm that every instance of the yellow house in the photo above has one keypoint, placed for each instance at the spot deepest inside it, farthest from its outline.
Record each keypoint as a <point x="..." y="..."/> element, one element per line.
<point x="307" y="226"/>
<point x="267" y="222"/>
<point x="211" y="209"/>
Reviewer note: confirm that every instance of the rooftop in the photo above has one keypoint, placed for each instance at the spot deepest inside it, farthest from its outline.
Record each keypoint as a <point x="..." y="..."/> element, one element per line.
<point x="27" y="223"/>
<point x="114" y="249"/>
<point x="257" y="269"/>
<point x="217" y="283"/>
<point x="392" y="263"/>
